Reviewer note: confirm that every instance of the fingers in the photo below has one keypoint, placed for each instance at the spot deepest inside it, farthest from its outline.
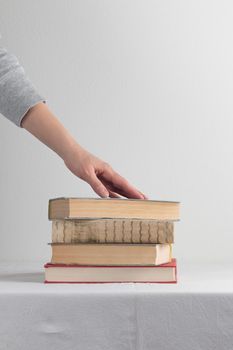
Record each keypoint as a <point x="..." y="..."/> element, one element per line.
<point x="123" y="187"/>
<point x="109" y="183"/>
<point x="116" y="183"/>
<point x="113" y="194"/>
<point x="97" y="186"/>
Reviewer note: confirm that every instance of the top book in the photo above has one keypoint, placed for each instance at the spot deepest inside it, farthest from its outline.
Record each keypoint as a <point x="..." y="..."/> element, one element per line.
<point x="109" y="208"/>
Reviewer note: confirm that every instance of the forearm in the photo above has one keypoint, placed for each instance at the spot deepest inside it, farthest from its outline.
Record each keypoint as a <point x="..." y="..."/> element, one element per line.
<point x="41" y="123"/>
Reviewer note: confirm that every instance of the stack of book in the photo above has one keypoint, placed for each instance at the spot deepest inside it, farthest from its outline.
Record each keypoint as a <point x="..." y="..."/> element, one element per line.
<point x="111" y="240"/>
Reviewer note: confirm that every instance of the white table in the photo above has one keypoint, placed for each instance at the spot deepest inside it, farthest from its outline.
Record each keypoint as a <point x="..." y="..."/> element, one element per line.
<point x="195" y="314"/>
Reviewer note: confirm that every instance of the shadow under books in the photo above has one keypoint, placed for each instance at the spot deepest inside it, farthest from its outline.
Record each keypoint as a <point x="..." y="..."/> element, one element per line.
<point x="35" y="277"/>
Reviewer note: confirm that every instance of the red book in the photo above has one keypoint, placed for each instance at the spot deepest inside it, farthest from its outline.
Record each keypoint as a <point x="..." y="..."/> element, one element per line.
<point x="60" y="273"/>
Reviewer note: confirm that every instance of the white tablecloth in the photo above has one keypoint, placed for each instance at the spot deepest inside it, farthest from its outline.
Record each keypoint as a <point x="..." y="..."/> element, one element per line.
<point x="195" y="314"/>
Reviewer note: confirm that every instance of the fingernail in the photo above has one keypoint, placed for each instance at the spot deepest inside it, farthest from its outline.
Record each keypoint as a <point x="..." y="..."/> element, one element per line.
<point x="105" y="194"/>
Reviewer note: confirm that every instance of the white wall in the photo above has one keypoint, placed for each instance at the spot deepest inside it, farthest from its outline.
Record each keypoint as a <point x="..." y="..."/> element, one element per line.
<point x="145" y="85"/>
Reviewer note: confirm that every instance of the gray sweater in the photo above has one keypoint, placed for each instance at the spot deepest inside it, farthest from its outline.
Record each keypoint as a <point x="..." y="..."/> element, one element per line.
<point x="17" y="93"/>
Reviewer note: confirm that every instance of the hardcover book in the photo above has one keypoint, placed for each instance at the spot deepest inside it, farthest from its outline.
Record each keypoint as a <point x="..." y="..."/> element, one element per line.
<point x="112" y="231"/>
<point x="111" y="254"/>
<point x="71" y="208"/>
<point x="111" y="274"/>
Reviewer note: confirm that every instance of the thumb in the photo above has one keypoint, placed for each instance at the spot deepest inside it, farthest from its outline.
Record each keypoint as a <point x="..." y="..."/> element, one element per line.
<point x="98" y="187"/>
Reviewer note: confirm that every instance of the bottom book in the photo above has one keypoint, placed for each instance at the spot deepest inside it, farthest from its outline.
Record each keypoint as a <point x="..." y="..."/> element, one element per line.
<point x="59" y="273"/>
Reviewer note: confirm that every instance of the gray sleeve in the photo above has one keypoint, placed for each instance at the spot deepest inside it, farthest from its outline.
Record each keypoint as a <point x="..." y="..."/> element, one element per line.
<point x="17" y="93"/>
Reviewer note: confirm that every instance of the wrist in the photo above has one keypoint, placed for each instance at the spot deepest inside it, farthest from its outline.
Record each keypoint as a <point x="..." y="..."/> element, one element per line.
<point x="73" y="152"/>
<point x="41" y="122"/>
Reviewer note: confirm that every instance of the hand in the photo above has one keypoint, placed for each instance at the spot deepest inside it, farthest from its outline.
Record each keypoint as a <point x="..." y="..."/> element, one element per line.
<point x="99" y="175"/>
<point x="41" y="123"/>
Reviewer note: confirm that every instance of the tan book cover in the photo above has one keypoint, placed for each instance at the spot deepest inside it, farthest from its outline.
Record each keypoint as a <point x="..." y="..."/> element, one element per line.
<point x="111" y="254"/>
<point x="112" y="231"/>
<point x="71" y="208"/>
